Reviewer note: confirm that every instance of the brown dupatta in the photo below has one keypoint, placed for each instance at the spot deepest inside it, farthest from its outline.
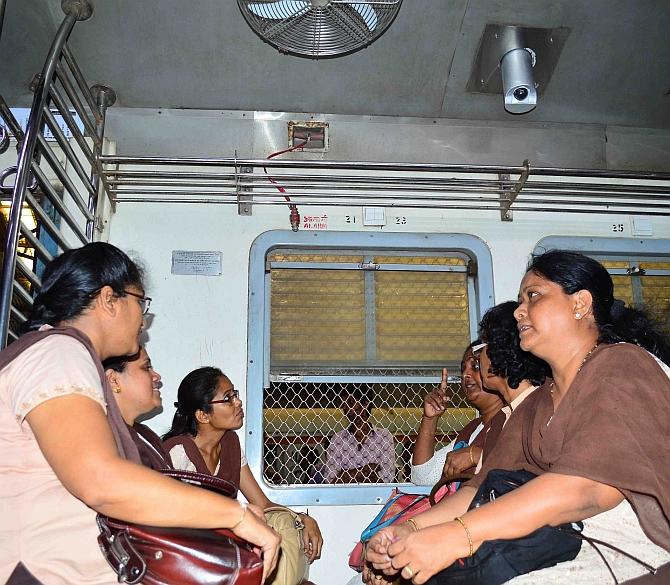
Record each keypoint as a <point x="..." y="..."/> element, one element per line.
<point x="230" y="458"/>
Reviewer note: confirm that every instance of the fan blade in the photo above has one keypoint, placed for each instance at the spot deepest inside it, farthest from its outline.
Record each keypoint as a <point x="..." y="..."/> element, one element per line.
<point x="367" y="13"/>
<point x="279" y="9"/>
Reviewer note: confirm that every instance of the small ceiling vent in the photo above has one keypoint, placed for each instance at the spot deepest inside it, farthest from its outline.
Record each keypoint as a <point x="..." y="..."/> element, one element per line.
<point x="319" y="28"/>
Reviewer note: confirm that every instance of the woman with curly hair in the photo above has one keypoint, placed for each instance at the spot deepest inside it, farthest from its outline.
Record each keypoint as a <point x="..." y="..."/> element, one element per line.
<point x="593" y="438"/>
<point x="504" y="366"/>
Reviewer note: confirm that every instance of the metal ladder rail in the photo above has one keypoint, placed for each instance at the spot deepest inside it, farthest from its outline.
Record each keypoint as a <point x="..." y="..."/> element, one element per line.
<point x="60" y="68"/>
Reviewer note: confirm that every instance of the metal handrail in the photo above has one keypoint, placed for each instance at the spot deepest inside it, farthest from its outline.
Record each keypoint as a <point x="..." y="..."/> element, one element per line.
<point x="33" y="145"/>
<point x="410" y="185"/>
<point x="379" y="166"/>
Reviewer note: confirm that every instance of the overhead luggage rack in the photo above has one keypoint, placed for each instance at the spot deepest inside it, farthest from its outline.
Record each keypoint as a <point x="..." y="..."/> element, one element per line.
<point x="237" y="181"/>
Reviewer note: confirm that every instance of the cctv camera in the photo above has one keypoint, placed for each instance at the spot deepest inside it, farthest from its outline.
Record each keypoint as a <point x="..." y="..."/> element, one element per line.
<point x="518" y="83"/>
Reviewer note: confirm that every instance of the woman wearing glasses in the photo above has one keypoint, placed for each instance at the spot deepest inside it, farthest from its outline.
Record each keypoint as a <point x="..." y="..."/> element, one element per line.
<point x="65" y="452"/>
<point x="203" y="439"/>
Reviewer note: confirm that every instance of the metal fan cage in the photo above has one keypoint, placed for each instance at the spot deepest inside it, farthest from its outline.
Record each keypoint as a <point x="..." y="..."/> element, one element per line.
<point x="319" y="28"/>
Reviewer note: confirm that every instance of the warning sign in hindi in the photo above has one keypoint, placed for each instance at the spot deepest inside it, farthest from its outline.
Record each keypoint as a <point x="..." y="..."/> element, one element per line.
<point x="315" y="222"/>
<point x="201" y="263"/>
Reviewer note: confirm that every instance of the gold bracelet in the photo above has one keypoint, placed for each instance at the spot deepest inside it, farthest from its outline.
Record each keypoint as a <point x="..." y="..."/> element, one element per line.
<point x="472" y="459"/>
<point x="460" y="521"/>
<point x="412" y="524"/>
<point x="244" y="506"/>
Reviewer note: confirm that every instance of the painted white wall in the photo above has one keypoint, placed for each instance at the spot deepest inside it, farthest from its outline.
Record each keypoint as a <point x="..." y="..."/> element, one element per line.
<point x="202" y="320"/>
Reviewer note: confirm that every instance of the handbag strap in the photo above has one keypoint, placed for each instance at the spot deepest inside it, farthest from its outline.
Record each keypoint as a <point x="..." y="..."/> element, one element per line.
<point x="445" y="481"/>
<point x="375" y="526"/>
<point x="595" y="541"/>
<point x="203" y="480"/>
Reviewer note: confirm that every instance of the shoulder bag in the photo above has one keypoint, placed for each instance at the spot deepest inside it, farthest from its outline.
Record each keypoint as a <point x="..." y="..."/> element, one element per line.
<point x="399" y="508"/>
<point x="498" y="561"/>
<point x="292" y="565"/>
<point x="186" y="556"/>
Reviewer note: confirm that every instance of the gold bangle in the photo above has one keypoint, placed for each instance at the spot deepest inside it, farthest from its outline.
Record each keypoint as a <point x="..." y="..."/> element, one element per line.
<point x="244" y="506"/>
<point x="412" y="524"/>
<point x="460" y="521"/>
<point x="472" y="459"/>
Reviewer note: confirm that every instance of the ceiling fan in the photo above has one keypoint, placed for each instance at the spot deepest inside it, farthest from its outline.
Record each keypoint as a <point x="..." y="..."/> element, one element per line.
<point x="319" y="28"/>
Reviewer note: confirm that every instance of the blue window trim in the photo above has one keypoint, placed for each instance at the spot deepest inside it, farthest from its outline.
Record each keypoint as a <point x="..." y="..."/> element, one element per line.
<point x="258" y="331"/>
<point x="609" y="247"/>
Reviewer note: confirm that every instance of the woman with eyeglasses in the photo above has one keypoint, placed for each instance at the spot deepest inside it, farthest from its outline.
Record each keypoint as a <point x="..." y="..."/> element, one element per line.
<point x="429" y="466"/>
<point x="203" y="439"/>
<point x="65" y="452"/>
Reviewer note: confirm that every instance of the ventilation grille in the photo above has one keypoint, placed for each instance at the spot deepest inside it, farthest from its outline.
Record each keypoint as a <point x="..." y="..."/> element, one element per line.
<point x="319" y="28"/>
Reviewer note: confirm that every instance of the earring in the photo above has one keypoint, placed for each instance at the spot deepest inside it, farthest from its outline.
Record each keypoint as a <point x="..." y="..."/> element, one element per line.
<point x="116" y="389"/>
<point x="578" y="315"/>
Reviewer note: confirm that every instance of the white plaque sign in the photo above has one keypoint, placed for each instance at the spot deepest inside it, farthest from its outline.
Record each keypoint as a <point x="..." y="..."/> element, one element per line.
<point x="203" y="263"/>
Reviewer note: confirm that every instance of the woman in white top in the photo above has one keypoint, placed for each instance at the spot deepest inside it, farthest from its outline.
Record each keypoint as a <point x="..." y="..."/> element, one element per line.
<point x="428" y="465"/>
<point x="59" y="460"/>
<point x="202" y="438"/>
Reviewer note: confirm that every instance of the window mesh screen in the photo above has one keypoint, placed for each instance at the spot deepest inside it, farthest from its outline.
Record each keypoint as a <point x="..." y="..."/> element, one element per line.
<point x="297" y="437"/>
<point x="379" y="324"/>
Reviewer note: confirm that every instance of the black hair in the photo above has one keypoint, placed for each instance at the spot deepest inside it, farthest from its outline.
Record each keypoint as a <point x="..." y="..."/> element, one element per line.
<point x="195" y="392"/>
<point x="119" y="363"/>
<point x="467" y="349"/>
<point x="573" y="272"/>
<point x="359" y="394"/>
<point x="498" y="328"/>
<point x="70" y="281"/>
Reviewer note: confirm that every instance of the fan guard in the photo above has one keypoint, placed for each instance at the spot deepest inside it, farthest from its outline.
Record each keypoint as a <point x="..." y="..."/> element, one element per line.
<point x="319" y="28"/>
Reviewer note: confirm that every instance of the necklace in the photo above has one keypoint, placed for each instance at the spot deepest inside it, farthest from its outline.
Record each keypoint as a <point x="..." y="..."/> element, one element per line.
<point x="579" y="369"/>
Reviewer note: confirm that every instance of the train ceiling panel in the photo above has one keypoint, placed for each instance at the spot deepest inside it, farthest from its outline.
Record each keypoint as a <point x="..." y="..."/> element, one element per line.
<point x="614" y="66"/>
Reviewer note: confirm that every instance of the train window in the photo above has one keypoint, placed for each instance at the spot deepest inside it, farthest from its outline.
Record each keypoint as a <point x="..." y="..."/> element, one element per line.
<point x="356" y="334"/>
<point x="643" y="283"/>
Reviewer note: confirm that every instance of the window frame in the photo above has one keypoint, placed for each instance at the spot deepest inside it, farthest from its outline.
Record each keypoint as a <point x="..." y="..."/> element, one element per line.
<point x="258" y="358"/>
<point x="612" y="249"/>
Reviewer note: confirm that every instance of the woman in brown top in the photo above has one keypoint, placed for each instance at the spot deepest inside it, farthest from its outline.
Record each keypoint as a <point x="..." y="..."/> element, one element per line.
<point x="428" y="466"/>
<point x="596" y="434"/>
<point x="136" y="388"/>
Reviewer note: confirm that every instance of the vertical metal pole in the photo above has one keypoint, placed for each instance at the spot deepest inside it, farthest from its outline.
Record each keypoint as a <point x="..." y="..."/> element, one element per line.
<point x="104" y="97"/>
<point x="2" y="15"/>
<point x="75" y="11"/>
<point x="370" y="296"/>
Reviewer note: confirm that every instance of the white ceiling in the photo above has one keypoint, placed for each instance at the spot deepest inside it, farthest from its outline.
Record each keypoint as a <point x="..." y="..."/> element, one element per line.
<point x="200" y="54"/>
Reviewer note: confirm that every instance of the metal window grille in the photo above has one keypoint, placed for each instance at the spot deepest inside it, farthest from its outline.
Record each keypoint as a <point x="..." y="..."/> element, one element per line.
<point x="383" y="324"/>
<point x="643" y="283"/>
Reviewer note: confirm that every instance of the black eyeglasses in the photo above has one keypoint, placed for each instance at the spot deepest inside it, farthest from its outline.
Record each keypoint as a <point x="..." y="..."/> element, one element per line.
<point x="145" y="302"/>
<point x="228" y="398"/>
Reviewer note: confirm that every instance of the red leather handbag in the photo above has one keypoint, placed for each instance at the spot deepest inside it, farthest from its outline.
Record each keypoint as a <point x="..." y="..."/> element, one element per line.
<point x="184" y="556"/>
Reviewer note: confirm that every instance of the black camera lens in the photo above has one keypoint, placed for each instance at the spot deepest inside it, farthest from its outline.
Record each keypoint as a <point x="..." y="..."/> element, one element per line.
<point x="520" y="93"/>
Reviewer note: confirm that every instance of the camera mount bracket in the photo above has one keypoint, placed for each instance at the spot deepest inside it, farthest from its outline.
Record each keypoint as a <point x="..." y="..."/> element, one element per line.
<point x="499" y="39"/>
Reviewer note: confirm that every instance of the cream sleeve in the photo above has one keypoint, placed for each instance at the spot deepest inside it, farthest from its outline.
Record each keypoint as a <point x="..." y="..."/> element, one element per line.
<point x="56" y="366"/>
